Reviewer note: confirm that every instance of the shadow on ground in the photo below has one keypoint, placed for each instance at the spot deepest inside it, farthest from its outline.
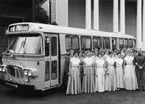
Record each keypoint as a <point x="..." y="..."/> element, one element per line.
<point x="30" y="93"/>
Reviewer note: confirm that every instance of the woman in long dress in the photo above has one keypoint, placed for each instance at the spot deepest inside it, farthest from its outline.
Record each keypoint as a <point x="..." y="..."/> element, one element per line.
<point x="88" y="79"/>
<point x="67" y="64"/>
<point x="110" y="84"/>
<point x="74" y="84"/>
<point x="100" y="74"/>
<point x="130" y="81"/>
<point x="119" y="71"/>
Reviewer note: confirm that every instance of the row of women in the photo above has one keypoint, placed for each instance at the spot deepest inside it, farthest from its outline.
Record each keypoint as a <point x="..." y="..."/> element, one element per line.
<point x="96" y="72"/>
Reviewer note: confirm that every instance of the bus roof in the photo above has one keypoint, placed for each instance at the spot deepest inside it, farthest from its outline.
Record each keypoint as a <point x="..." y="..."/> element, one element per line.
<point x="38" y="27"/>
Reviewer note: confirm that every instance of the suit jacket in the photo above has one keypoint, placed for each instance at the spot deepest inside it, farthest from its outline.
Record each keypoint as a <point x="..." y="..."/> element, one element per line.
<point x="139" y="60"/>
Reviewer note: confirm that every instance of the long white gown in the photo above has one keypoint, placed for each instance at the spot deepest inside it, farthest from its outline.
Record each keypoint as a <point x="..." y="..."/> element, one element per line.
<point x="74" y="83"/>
<point x="110" y="80"/>
<point x="88" y="79"/>
<point x="100" y="75"/>
<point x="119" y="72"/>
<point x="130" y="80"/>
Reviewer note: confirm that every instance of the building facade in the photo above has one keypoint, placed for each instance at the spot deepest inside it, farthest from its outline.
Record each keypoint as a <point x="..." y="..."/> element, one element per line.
<point x="126" y="16"/>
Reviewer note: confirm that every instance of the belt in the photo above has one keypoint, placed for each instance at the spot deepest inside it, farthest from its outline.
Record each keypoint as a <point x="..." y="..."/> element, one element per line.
<point x="75" y="66"/>
<point x="88" y="66"/>
<point x="100" y="67"/>
<point x="110" y="66"/>
<point x="118" y="66"/>
<point x="129" y="64"/>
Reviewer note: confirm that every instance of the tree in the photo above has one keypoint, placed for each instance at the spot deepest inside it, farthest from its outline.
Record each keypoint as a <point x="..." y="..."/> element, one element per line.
<point x="41" y="15"/>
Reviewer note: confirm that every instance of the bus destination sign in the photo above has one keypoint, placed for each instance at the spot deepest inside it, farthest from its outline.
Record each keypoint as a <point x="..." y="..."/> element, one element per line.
<point x="18" y="28"/>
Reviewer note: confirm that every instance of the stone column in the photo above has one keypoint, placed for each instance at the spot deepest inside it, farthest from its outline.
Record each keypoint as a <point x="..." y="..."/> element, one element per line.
<point x="62" y="12"/>
<point x="88" y="14"/>
<point x="115" y="15"/>
<point x="139" y="23"/>
<point x="122" y="16"/>
<point x="144" y="20"/>
<point x="96" y="15"/>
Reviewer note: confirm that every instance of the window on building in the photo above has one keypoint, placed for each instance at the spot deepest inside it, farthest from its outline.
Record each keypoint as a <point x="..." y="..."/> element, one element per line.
<point x="97" y="42"/>
<point x="125" y="43"/>
<point x="106" y="43"/>
<point x="86" y="42"/>
<point x="121" y="44"/>
<point x="72" y="42"/>
<point x="130" y="43"/>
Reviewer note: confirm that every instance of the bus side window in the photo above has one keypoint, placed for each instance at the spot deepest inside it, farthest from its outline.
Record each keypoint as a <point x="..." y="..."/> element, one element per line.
<point x="134" y="43"/>
<point x="53" y="46"/>
<point x="72" y="42"/>
<point x="121" y="44"/>
<point x="106" y="43"/>
<point x="130" y="43"/>
<point x="47" y="40"/>
<point x="125" y="43"/>
<point x="97" y="42"/>
<point x="86" y="43"/>
<point x="114" y="43"/>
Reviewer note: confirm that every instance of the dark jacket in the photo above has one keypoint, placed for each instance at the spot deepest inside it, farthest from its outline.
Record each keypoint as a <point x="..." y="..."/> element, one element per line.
<point x="139" y="60"/>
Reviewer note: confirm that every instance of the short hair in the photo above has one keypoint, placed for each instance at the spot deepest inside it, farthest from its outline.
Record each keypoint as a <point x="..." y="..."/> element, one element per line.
<point x="118" y="53"/>
<point x="129" y="50"/>
<point x="99" y="54"/>
<point x="110" y="52"/>
<point x="75" y="53"/>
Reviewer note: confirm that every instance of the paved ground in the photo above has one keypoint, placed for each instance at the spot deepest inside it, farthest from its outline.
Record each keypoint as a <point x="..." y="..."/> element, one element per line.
<point x="57" y="96"/>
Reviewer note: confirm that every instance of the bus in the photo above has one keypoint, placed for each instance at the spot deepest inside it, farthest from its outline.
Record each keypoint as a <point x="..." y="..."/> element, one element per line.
<point x="36" y="53"/>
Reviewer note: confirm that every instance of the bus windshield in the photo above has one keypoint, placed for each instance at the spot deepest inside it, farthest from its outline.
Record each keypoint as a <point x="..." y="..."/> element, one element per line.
<point x="24" y="44"/>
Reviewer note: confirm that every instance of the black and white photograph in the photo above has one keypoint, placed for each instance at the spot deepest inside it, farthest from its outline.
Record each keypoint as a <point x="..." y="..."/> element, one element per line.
<point x="72" y="51"/>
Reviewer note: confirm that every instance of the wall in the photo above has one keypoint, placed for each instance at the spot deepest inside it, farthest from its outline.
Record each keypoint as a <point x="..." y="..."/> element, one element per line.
<point x="76" y="10"/>
<point x="106" y="16"/>
<point x="131" y="13"/>
<point x="77" y="15"/>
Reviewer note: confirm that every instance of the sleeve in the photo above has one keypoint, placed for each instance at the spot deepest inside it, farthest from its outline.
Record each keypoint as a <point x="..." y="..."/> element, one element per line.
<point x="144" y="60"/>
<point x="134" y="61"/>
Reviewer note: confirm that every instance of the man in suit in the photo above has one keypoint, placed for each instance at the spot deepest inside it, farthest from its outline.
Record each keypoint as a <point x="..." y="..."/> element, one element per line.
<point x="139" y="62"/>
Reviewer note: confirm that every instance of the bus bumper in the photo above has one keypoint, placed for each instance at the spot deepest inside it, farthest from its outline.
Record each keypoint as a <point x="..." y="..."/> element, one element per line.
<point x="15" y="85"/>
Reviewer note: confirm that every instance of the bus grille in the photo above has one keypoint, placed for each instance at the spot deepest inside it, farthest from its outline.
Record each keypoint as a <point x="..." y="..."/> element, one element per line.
<point x="15" y="71"/>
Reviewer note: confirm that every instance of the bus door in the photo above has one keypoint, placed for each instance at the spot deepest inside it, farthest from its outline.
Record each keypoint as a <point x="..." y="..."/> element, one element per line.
<point x="51" y="60"/>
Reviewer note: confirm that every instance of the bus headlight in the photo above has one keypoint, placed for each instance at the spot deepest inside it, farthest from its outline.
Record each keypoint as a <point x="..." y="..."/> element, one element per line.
<point x="25" y="72"/>
<point x="4" y="70"/>
<point x="1" y="68"/>
<point x="28" y="73"/>
<point x="31" y="72"/>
